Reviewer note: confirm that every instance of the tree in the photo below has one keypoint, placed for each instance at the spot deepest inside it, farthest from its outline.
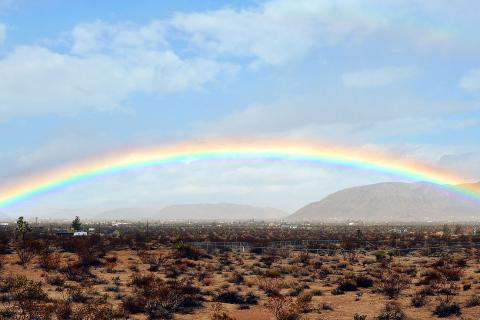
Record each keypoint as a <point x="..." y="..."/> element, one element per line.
<point x="76" y="224"/>
<point x="23" y="227"/>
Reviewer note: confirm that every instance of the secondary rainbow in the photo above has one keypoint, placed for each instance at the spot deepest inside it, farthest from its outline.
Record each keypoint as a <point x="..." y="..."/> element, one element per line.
<point x="28" y="187"/>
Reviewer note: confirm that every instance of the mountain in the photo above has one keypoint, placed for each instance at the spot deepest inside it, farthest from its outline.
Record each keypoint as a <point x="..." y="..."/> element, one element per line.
<point x="199" y="211"/>
<point x="392" y="201"/>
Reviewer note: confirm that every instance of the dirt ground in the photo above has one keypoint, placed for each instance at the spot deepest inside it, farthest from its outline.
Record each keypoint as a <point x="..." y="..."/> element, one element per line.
<point x="244" y="273"/>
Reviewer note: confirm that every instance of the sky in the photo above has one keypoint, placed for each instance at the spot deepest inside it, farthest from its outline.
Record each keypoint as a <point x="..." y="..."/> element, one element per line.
<point x="80" y="79"/>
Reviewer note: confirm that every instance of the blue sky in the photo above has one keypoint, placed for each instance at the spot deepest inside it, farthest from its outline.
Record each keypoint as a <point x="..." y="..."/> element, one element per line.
<point x="82" y="78"/>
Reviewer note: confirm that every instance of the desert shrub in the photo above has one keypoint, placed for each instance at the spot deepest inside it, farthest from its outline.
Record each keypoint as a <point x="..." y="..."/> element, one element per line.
<point x="337" y="292"/>
<point x="97" y="312"/>
<point x="228" y="296"/>
<point x="325" y="270"/>
<point x="347" y="284"/>
<point x="77" y="272"/>
<point x="363" y="281"/>
<point x="153" y="259"/>
<point x="473" y="302"/>
<point x="451" y="273"/>
<point x="303" y="301"/>
<point x="392" y="311"/>
<point x="77" y="295"/>
<point x="446" y="288"/>
<point x="4" y="243"/>
<point x="28" y="297"/>
<point x="218" y="313"/>
<point x="7" y="312"/>
<point x="161" y="298"/>
<point x="49" y="260"/>
<point x="25" y="255"/>
<point x="184" y="250"/>
<point x="381" y="255"/>
<point x="446" y="309"/>
<point x="236" y="278"/>
<point x="303" y="257"/>
<point x="134" y="304"/>
<point x="427" y="291"/>
<point x="269" y="286"/>
<point x="56" y="280"/>
<point x="251" y="298"/>
<point x="296" y="290"/>
<point x="418" y="300"/>
<point x="283" y="308"/>
<point x="63" y="309"/>
<point x="392" y="283"/>
<point x="357" y="316"/>
<point x="431" y="276"/>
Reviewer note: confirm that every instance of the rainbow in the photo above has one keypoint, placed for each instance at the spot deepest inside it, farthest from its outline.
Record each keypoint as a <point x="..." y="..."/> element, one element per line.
<point x="34" y="185"/>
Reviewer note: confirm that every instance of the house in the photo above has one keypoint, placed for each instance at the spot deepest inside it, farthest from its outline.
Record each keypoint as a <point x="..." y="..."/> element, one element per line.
<point x="80" y="233"/>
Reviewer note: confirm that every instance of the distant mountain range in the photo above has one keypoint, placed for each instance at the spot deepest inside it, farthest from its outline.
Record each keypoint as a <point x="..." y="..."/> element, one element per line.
<point x="199" y="211"/>
<point x="393" y="201"/>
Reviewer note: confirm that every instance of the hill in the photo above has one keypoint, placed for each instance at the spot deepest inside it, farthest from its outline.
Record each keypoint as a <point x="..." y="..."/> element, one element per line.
<point x="392" y="201"/>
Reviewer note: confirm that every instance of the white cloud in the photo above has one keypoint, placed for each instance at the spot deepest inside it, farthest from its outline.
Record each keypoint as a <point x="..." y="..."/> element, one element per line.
<point x="36" y="80"/>
<point x="471" y="81"/>
<point x="3" y="33"/>
<point x="100" y="37"/>
<point x="276" y="32"/>
<point x="377" y="77"/>
<point x="279" y="31"/>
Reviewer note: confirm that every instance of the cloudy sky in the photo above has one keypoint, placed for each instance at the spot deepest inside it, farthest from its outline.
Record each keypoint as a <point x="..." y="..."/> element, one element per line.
<point x="83" y="78"/>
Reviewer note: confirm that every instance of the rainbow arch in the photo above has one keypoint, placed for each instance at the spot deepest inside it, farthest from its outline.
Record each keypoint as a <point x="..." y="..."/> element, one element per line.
<point x="28" y="187"/>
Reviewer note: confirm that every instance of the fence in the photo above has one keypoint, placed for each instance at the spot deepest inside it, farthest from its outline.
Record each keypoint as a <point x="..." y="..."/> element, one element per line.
<point x="332" y="246"/>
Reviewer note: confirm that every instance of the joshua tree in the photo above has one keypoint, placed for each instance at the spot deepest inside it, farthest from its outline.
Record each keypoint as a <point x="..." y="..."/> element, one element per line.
<point x="23" y="227"/>
<point x="76" y="224"/>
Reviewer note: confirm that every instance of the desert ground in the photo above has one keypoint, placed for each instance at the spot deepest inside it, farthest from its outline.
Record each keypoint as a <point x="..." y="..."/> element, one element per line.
<point x="248" y="271"/>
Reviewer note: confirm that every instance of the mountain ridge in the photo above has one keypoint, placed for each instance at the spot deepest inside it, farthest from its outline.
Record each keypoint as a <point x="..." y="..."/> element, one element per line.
<point x="389" y="201"/>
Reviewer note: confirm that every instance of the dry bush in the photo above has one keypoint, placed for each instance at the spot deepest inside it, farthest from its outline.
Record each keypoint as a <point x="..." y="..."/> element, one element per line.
<point x="49" y="261"/>
<point x="159" y="298"/>
<point x="236" y="278"/>
<point x="303" y="257"/>
<point x="392" y="311"/>
<point x="218" y="313"/>
<point x="29" y="299"/>
<point x="77" y="272"/>
<point x="229" y="296"/>
<point x="184" y="250"/>
<point x="25" y="255"/>
<point x="304" y="301"/>
<point x="283" y="308"/>
<point x="473" y="302"/>
<point x="270" y="286"/>
<point x="447" y="308"/>
<point x="392" y="283"/>
<point x="96" y="312"/>
<point x="55" y="280"/>
<point x="348" y="283"/>
<point x="234" y="297"/>
<point x="155" y="260"/>
<point x="418" y="300"/>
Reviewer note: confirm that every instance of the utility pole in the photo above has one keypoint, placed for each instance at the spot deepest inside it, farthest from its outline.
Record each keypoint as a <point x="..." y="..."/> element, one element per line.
<point x="147" y="231"/>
